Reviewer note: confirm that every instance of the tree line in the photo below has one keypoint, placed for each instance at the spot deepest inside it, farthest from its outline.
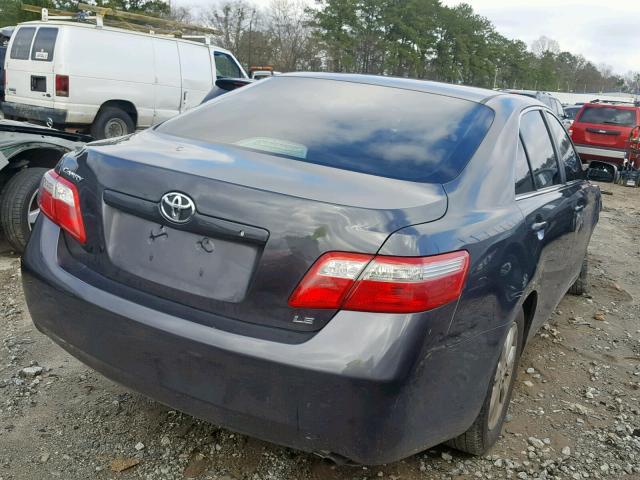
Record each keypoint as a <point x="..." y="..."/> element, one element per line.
<point x="409" y="38"/>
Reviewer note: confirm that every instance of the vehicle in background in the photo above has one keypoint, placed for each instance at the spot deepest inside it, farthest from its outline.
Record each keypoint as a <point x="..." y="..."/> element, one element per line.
<point x="601" y="131"/>
<point x="26" y="152"/>
<point x="549" y="100"/>
<point x="5" y="35"/>
<point x="297" y="262"/>
<point x="570" y="113"/>
<point x="110" y="80"/>
<point x="262" y="72"/>
<point x="225" y="85"/>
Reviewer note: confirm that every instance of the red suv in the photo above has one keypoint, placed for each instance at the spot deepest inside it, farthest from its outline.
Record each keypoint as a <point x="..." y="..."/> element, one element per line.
<point x="601" y="131"/>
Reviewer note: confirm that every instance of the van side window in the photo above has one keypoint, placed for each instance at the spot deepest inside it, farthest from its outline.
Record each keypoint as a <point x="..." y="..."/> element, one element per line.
<point x="523" y="178"/>
<point x="22" y="43"/>
<point x="44" y="44"/>
<point x="568" y="156"/>
<point x="225" y="66"/>
<point x="539" y="148"/>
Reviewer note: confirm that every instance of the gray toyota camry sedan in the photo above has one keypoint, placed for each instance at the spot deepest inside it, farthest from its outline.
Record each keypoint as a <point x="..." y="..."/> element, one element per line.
<point x="352" y="268"/>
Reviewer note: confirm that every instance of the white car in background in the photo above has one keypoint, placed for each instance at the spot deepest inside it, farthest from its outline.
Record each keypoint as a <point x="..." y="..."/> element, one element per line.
<point x="110" y="80"/>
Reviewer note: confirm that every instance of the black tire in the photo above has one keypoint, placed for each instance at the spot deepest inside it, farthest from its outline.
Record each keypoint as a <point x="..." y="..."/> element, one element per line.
<point x="581" y="285"/>
<point x="480" y="437"/>
<point x="107" y="119"/>
<point x="15" y="203"/>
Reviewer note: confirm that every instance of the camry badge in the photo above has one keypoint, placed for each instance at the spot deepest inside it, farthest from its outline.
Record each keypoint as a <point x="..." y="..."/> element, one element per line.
<point x="177" y="207"/>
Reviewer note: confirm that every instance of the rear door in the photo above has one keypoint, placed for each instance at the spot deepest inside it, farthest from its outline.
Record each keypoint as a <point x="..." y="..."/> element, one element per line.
<point x="31" y="64"/>
<point x="548" y="212"/>
<point x="583" y="197"/>
<point x="195" y="66"/>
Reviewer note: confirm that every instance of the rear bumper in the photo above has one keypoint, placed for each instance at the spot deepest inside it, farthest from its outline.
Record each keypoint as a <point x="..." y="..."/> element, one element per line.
<point x="33" y="112"/>
<point x="613" y="155"/>
<point x="372" y="388"/>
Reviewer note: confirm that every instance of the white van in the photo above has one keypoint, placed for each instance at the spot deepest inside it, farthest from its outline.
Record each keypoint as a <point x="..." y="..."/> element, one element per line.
<point x="74" y="75"/>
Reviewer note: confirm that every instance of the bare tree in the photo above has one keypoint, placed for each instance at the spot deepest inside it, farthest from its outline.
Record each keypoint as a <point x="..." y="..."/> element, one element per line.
<point x="289" y="27"/>
<point x="544" y="45"/>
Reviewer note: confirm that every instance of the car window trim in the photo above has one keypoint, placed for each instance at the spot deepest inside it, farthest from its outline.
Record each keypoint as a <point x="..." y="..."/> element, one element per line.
<point x="540" y="108"/>
<point x="563" y="176"/>
<point x="526" y="156"/>
<point x="572" y="146"/>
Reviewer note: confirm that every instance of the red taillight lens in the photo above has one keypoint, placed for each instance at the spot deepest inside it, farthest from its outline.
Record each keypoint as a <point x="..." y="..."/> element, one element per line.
<point x="59" y="200"/>
<point x="62" y="86"/>
<point x="366" y="283"/>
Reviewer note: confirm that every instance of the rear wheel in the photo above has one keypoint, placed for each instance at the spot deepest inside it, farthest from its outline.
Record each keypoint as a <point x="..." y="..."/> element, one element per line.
<point x="581" y="285"/>
<point x="112" y="122"/>
<point x="485" y="430"/>
<point x="19" y="208"/>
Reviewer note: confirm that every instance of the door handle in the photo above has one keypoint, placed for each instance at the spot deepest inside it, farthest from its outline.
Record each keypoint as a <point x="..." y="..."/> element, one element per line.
<point x="537" y="226"/>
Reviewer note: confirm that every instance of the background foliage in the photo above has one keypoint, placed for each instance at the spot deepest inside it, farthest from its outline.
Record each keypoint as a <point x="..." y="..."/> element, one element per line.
<point x="413" y="38"/>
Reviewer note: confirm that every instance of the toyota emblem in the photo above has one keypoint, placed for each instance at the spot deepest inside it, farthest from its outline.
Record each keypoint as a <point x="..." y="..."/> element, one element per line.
<point x="177" y="207"/>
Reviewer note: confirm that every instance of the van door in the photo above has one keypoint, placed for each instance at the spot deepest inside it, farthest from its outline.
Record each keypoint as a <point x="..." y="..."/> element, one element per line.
<point x="226" y="66"/>
<point x="195" y="68"/>
<point x="30" y="69"/>
<point x="168" y="83"/>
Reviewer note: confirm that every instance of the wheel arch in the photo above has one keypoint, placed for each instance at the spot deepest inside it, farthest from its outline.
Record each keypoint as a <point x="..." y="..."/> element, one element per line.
<point x="124" y="105"/>
<point x="43" y="155"/>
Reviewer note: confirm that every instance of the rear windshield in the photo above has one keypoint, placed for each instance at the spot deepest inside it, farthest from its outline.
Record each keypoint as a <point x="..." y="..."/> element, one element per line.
<point x="609" y="116"/>
<point x="383" y="131"/>
<point x="44" y="44"/>
<point x="22" y="43"/>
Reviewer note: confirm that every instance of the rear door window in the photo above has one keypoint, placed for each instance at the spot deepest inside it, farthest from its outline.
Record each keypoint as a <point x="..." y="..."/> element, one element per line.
<point x="523" y="178"/>
<point x="225" y="66"/>
<point x="22" y="43"/>
<point x="568" y="156"/>
<point x="539" y="149"/>
<point x="373" y="129"/>
<point x="609" y="116"/>
<point x="44" y="44"/>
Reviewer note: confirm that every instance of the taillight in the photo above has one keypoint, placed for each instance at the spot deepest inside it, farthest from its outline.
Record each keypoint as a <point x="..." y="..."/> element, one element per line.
<point x="59" y="200"/>
<point x="570" y="131"/>
<point x="351" y="281"/>
<point x="62" y="86"/>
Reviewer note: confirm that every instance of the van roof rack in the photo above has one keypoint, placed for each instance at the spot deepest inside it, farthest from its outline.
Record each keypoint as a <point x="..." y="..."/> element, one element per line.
<point x="146" y="23"/>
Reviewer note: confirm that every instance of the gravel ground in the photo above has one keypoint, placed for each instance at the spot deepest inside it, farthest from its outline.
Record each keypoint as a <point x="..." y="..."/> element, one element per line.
<point x="575" y="412"/>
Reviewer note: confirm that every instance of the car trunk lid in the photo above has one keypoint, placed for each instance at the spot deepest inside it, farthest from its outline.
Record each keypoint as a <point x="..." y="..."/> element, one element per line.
<point x="260" y="222"/>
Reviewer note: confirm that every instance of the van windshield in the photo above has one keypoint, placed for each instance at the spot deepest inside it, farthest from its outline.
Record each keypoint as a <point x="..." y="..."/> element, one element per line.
<point x="378" y="130"/>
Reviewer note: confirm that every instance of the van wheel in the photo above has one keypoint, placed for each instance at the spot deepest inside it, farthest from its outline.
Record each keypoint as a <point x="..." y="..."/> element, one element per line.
<point x="112" y="122"/>
<point x="19" y="207"/>
<point x="581" y="285"/>
<point x="486" y="428"/>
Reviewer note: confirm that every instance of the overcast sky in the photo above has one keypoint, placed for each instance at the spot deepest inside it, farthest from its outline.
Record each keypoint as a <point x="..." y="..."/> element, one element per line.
<point x="603" y="31"/>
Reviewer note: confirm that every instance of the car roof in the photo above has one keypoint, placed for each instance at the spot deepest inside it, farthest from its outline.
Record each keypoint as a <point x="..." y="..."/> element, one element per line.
<point x="621" y="105"/>
<point x="474" y="94"/>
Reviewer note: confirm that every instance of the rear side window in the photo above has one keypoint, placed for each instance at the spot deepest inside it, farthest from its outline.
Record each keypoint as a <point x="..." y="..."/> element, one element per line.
<point x="225" y="66"/>
<point x="523" y="178"/>
<point x="568" y="156"/>
<point x="378" y="130"/>
<point x="44" y="44"/>
<point x="539" y="150"/>
<point x="609" y="116"/>
<point x="22" y="43"/>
